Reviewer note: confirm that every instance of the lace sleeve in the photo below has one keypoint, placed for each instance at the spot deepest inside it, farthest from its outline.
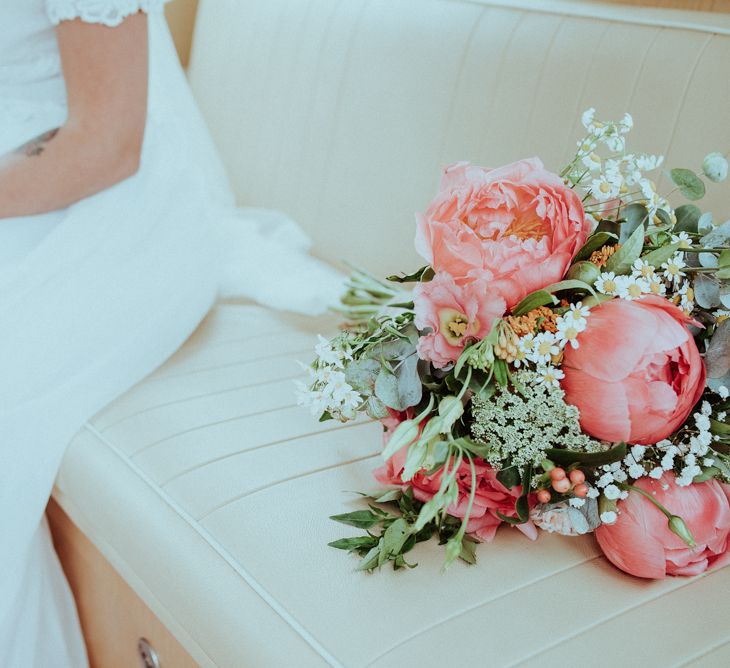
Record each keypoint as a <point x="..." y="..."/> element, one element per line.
<point x="107" y="12"/>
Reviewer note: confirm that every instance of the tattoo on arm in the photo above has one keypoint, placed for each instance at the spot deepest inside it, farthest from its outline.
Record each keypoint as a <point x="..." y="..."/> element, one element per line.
<point x="36" y="146"/>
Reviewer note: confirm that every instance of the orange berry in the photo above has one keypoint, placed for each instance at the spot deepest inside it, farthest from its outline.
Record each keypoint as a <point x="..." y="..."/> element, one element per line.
<point x="543" y="496"/>
<point x="557" y="474"/>
<point x="561" y="486"/>
<point x="580" y="490"/>
<point x="577" y="476"/>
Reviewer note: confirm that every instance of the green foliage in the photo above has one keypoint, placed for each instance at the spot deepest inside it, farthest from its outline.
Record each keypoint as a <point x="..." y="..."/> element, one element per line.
<point x="688" y="215"/>
<point x="421" y="275"/>
<point x="689" y="184"/>
<point x="595" y="242"/>
<point x="568" y="457"/>
<point x="620" y="262"/>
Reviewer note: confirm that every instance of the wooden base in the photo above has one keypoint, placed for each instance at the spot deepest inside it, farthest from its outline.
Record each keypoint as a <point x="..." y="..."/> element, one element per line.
<point x="113" y="617"/>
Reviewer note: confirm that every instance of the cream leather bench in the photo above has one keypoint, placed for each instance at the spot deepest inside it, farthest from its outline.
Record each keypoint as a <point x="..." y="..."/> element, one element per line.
<point x="206" y="489"/>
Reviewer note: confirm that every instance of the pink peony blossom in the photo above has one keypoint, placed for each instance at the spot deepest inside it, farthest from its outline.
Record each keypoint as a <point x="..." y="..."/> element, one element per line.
<point x="636" y="374"/>
<point x="641" y="543"/>
<point x="519" y="223"/>
<point x="455" y="314"/>
<point x="490" y="497"/>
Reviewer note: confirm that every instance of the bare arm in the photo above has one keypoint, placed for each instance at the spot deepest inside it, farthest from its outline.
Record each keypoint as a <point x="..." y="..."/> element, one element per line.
<point x="105" y="70"/>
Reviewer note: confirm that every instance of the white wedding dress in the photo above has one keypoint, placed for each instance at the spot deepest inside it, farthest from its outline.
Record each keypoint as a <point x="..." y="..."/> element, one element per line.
<point x="94" y="297"/>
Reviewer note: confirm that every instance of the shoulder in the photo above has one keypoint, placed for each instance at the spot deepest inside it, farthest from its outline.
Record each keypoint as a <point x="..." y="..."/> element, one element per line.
<point x="105" y="12"/>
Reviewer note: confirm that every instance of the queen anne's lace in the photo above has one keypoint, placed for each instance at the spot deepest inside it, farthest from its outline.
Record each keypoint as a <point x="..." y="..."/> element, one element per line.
<point x="107" y="12"/>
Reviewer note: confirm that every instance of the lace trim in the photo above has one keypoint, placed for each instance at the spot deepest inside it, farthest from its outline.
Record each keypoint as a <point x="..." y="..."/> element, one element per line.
<point x="107" y="12"/>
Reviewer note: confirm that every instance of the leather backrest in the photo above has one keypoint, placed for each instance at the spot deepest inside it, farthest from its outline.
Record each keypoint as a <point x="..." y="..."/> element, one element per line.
<point x="342" y="112"/>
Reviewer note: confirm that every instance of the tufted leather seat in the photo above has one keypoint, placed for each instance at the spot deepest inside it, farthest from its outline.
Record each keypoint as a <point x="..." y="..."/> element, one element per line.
<point x="208" y="489"/>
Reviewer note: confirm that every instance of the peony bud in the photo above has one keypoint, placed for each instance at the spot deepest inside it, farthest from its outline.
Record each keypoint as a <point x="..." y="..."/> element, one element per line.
<point x="677" y="525"/>
<point x="714" y="167"/>
<point x="584" y="271"/>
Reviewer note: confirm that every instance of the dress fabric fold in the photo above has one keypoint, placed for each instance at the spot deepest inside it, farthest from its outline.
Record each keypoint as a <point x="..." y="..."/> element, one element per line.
<point x="95" y="297"/>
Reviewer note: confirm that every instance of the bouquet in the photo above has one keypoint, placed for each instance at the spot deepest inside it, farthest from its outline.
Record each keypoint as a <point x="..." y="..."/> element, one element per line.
<point x="561" y="363"/>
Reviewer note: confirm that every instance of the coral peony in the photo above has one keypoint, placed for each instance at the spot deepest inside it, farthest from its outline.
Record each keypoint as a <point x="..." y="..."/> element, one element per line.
<point x="454" y="314"/>
<point x="636" y="374"/>
<point x="519" y="223"/>
<point x="641" y="543"/>
<point x="491" y="496"/>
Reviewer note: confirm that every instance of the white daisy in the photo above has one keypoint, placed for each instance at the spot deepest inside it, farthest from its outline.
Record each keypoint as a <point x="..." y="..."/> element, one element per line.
<point x="543" y="348"/>
<point x="607" y="283"/>
<point x="683" y="239"/>
<point x="642" y="269"/>
<point x="568" y="330"/>
<point x="632" y="288"/>
<point x="549" y="376"/>
<point x="673" y="268"/>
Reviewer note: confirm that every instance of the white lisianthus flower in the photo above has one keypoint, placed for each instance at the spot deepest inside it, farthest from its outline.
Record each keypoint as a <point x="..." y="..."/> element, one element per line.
<point x="715" y="166"/>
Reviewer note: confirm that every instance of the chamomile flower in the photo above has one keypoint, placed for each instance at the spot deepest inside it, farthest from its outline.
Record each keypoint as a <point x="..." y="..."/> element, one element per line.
<point x="686" y="297"/>
<point x="608" y="283"/>
<point x="544" y="347"/>
<point x="549" y="376"/>
<point x="673" y="268"/>
<point x="683" y="239"/>
<point x="656" y="286"/>
<point x="605" y="187"/>
<point x="568" y="330"/>
<point x="642" y="269"/>
<point x="577" y="312"/>
<point x="632" y="288"/>
<point x="721" y="314"/>
<point x="592" y="161"/>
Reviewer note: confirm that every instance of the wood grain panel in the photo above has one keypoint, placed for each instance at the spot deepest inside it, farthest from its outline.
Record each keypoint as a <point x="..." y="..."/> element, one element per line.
<point x="113" y="617"/>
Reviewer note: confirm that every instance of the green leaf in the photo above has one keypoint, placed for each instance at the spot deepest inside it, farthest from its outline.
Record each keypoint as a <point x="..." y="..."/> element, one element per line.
<point x="450" y="409"/>
<point x="370" y="560"/>
<point x="354" y="543"/>
<point x="509" y="477"/>
<point x="393" y="539"/>
<point x="717" y="427"/>
<point x="595" y="300"/>
<point x="708" y="473"/>
<point x="389" y="495"/>
<point x="688" y="215"/>
<point x="468" y="551"/>
<point x="533" y="301"/>
<point x="567" y="457"/>
<point x="595" y="242"/>
<point x="429" y="510"/>
<point x="634" y="215"/>
<point x="361" y="519"/>
<point x="689" y="184"/>
<point x="501" y="372"/>
<point x="620" y="262"/>
<point x="659" y="255"/>
<point x="420" y="275"/>
<point x="545" y="296"/>
<point x="404" y="434"/>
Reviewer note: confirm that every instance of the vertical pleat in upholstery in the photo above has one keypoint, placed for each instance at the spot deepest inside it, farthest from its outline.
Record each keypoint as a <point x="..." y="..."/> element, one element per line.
<point x="343" y="113"/>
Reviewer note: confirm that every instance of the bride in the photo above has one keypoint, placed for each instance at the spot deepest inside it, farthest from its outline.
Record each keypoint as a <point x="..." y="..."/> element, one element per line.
<point x="115" y="215"/>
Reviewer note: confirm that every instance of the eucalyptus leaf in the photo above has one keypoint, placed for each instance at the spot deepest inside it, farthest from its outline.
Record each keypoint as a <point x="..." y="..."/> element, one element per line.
<point x="689" y="184"/>
<point x="707" y="291"/>
<point x="376" y="409"/>
<point x="688" y="216"/>
<point x="709" y="260"/>
<point x="717" y="358"/>
<point x="704" y="224"/>
<point x="622" y="260"/>
<point x="361" y="375"/>
<point x="724" y="292"/>
<point x="719" y="236"/>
